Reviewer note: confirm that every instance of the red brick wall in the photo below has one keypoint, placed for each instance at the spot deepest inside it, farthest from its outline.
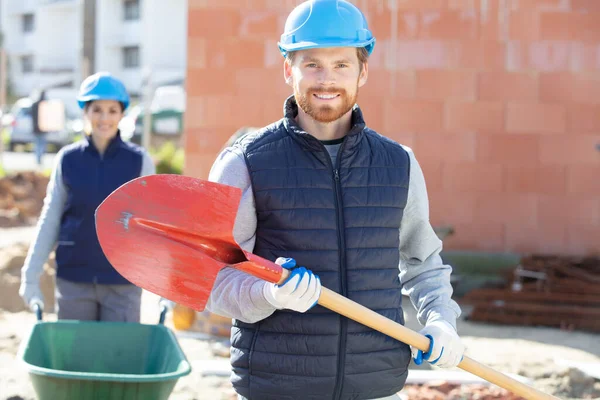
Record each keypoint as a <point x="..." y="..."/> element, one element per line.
<point x="500" y="100"/>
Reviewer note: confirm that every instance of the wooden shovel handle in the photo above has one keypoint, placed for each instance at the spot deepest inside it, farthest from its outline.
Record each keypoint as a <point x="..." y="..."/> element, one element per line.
<point x="365" y="316"/>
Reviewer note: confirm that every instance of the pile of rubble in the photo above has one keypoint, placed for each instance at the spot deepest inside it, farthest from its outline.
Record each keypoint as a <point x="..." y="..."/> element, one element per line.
<point x="11" y="262"/>
<point x="452" y="391"/>
<point x="554" y="291"/>
<point x="21" y="198"/>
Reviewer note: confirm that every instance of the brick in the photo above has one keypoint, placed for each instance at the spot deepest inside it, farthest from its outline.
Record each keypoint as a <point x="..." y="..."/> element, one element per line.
<point x="204" y="140"/>
<point x="476" y="235"/>
<point x="583" y="118"/>
<point x="570" y="26"/>
<point x="584" y="57"/>
<point x="405" y="138"/>
<point x="448" y="25"/>
<point x="196" y="52"/>
<point x="539" y="5"/>
<point x="432" y="171"/>
<point x="541" y="179"/>
<point x="523" y="24"/>
<point x="583" y="241"/>
<point x="583" y="179"/>
<point x="473" y="177"/>
<point x="389" y="84"/>
<point x="507" y="208"/>
<point x="570" y="149"/>
<point x="480" y="116"/>
<point x="536" y="118"/>
<point x="198" y="165"/>
<point x="547" y="238"/>
<point x="569" y="87"/>
<point x="490" y="15"/>
<point x="421" y="5"/>
<point x="450" y="207"/>
<point x="507" y="86"/>
<point x="416" y="54"/>
<point x="209" y="81"/>
<point x="585" y="5"/>
<point x="412" y="115"/>
<point x="225" y="111"/>
<point x="446" y="147"/>
<point x="446" y="84"/>
<point x="235" y="53"/>
<point x="261" y="83"/>
<point x="373" y="112"/>
<point x="573" y="210"/>
<point x="480" y="54"/>
<point x="508" y="149"/>
<point x="213" y="24"/>
<point x="539" y="56"/>
<point x="259" y="24"/>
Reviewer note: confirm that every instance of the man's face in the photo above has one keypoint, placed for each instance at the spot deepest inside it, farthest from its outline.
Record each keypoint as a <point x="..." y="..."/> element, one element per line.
<point x="326" y="81"/>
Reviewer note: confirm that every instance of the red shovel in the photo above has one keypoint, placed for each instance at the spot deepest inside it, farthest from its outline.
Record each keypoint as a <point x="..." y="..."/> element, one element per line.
<point x="172" y="234"/>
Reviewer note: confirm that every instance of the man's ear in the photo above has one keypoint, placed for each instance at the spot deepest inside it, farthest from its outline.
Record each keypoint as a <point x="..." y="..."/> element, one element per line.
<point x="364" y="74"/>
<point x="287" y="72"/>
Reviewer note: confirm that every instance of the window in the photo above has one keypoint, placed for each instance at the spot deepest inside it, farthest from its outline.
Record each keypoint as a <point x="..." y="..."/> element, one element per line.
<point x="27" y="64"/>
<point x="28" y="22"/>
<point x="131" y="10"/>
<point x="131" y="57"/>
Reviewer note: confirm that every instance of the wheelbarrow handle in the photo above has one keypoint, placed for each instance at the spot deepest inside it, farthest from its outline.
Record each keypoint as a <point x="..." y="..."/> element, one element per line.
<point x="37" y="306"/>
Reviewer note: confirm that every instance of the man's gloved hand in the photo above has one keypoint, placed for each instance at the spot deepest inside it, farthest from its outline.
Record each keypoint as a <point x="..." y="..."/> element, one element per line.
<point x="300" y="292"/>
<point x="31" y="293"/>
<point x="446" y="349"/>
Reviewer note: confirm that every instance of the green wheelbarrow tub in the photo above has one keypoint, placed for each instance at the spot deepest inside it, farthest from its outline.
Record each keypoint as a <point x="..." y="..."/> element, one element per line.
<point x="68" y="360"/>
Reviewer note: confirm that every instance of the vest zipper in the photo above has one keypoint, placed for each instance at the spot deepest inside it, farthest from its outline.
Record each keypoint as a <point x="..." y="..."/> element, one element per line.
<point x="342" y="257"/>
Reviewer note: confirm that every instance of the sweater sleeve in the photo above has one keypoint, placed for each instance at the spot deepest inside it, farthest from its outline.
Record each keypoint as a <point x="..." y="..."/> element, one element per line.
<point x="48" y="225"/>
<point x="425" y="278"/>
<point x="237" y="294"/>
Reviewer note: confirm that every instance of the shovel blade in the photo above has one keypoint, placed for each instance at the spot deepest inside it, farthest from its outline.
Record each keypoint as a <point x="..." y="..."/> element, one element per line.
<point x="165" y="260"/>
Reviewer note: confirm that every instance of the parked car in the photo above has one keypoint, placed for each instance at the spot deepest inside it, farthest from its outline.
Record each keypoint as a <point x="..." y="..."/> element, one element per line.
<point x="20" y="129"/>
<point x="167" y="111"/>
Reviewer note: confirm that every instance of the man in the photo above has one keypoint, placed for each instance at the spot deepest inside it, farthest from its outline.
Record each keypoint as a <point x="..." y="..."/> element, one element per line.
<point x="351" y="206"/>
<point x="39" y="135"/>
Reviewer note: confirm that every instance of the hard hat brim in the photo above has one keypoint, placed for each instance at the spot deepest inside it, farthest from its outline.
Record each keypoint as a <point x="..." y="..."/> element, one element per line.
<point x="307" y="44"/>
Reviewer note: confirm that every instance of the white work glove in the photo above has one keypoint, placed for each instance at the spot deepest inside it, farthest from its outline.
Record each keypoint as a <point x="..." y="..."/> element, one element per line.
<point x="300" y="292"/>
<point x="31" y="294"/>
<point x="445" y="350"/>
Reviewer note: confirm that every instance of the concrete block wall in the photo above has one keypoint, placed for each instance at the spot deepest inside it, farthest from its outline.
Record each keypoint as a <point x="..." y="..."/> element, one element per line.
<point x="500" y="100"/>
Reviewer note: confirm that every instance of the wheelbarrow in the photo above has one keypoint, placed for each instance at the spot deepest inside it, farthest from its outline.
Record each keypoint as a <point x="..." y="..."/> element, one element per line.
<point x="68" y="360"/>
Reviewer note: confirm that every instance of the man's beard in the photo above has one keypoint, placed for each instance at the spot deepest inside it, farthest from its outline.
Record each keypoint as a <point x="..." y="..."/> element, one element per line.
<point x="325" y="113"/>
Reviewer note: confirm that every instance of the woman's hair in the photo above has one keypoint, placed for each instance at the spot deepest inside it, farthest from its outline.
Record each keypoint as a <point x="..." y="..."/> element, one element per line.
<point x="87" y="105"/>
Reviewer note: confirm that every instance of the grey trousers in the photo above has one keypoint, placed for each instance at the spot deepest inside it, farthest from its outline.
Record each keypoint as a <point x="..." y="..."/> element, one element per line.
<point x="93" y="302"/>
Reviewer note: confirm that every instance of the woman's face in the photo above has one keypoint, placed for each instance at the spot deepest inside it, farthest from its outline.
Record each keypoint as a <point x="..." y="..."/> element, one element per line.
<point x="104" y="117"/>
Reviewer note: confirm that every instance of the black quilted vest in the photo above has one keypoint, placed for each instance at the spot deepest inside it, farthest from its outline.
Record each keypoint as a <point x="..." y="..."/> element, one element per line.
<point x="342" y="222"/>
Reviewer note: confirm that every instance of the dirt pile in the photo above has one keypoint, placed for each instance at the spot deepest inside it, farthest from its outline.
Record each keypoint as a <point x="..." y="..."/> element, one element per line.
<point x="21" y="198"/>
<point x="448" y="391"/>
<point x="11" y="261"/>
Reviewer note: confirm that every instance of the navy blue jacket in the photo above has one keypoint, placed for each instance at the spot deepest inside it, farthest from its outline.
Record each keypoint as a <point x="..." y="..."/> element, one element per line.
<point x="89" y="178"/>
<point x="341" y="221"/>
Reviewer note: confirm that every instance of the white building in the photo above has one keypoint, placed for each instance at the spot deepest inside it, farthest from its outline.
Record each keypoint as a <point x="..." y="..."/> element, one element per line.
<point x="134" y="36"/>
<point x="44" y="40"/>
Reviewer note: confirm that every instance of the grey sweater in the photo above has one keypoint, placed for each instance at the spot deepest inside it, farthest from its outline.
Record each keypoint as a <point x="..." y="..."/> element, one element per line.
<point x="425" y="278"/>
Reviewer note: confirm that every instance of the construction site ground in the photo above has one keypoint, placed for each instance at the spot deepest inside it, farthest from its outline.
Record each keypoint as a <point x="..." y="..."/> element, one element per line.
<point x="546" y="357"/>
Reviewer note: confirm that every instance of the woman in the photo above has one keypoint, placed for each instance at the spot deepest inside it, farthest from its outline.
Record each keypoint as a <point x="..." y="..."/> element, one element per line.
<point x="84" y="174"/>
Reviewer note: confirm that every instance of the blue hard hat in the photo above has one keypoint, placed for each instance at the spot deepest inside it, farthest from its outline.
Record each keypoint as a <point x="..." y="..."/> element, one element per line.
<point x="326" y="23"/>
<point x="102" y="86"/>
